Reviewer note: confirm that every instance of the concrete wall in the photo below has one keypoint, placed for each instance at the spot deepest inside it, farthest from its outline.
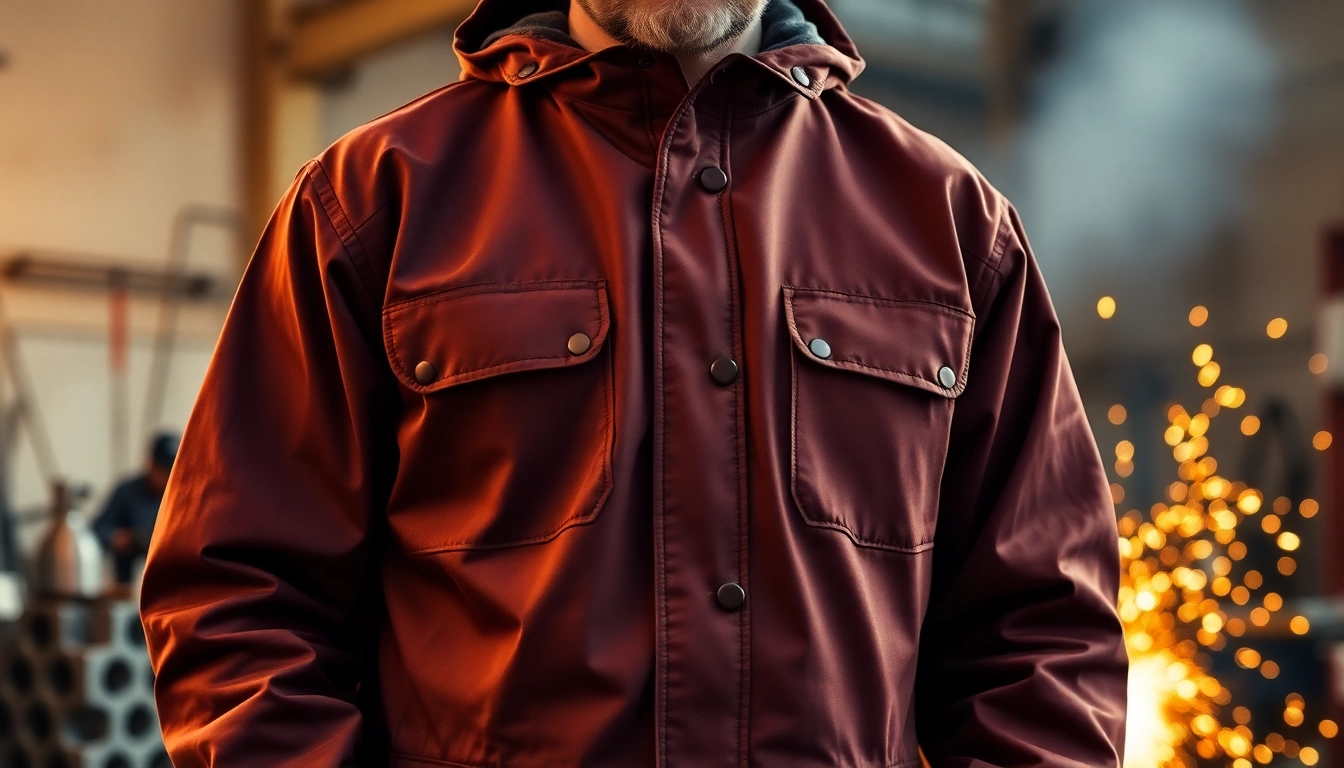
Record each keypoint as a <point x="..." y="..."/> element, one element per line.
<point x="387" y="80"/>
<point x="113" y="116"/>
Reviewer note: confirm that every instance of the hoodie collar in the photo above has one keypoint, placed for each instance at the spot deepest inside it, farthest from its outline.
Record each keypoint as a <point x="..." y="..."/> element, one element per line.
<point x="524" y="41"/>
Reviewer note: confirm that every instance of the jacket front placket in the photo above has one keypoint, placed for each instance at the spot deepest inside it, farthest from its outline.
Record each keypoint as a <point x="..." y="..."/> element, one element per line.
<point x="699" y="497"/>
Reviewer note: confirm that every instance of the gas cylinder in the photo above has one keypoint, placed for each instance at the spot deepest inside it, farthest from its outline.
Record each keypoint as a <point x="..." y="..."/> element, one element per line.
<point x="68" y="562"/>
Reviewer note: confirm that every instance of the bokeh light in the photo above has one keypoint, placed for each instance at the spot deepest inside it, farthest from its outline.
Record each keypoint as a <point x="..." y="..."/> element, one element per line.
<point x="1106" y="307"/>
<point x="1116" y="415"/>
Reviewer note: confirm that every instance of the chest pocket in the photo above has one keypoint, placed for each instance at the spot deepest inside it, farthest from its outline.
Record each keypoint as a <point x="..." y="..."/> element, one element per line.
<point x="874" y="385"/>
<point x="507" y="438"/>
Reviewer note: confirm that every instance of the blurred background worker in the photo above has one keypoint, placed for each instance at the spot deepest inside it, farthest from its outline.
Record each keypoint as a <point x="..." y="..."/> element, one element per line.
<point x="127" y="520"/>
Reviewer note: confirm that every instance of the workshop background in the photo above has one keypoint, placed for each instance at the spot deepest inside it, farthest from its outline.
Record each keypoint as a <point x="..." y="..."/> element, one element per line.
<point x="1179" y="165"/>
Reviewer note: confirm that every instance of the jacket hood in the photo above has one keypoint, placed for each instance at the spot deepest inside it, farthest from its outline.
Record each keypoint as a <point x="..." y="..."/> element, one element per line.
<point x="503" y="38"/>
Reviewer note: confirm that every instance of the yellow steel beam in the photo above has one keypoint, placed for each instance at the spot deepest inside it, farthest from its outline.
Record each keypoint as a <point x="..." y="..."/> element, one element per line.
<point x="260" y="81"/>
<point x="331" y="39"/>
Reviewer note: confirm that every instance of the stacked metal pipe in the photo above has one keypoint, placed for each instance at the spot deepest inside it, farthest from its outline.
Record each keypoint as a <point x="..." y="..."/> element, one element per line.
<point x="76" y="689"/>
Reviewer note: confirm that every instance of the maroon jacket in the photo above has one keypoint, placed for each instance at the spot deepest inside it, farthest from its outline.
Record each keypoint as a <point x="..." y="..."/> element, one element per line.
<point x="570" y="417"/>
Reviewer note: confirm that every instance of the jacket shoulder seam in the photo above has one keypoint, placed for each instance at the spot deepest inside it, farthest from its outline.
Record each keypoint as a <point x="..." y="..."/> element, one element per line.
<point x="992" y="263"/>
<point x="345" y="230"/>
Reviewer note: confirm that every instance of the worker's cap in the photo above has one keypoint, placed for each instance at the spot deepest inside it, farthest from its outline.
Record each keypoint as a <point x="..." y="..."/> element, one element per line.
<point x="163" y="449"/>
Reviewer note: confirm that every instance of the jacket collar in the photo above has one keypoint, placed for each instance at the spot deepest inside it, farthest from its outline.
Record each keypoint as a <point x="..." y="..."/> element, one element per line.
<point x="521" y="41"/>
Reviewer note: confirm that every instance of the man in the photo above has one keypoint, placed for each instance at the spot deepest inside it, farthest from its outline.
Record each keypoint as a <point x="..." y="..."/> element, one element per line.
<point x="127" y="520"/>
<point x="593" y="411"/>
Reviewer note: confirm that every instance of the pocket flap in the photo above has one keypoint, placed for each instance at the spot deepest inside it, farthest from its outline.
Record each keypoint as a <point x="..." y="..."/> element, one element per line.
<point x="909" y="342"/>
<point x="478" y="331"/>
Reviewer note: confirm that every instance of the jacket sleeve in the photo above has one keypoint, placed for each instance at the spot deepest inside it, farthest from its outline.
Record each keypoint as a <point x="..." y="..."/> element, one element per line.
<point x="261" y="562"/>
<point x="1022" y="659"/>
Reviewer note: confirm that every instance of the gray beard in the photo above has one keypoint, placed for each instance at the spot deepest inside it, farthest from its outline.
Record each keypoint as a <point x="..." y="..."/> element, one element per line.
<point x="670" y="28"/>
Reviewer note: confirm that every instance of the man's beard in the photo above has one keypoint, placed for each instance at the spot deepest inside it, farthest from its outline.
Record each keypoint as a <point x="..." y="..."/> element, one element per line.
<point x="673" y="26"/>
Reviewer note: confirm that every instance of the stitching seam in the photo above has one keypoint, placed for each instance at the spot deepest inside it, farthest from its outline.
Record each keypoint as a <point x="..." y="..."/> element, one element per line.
<point x="369" y="218"/>
<point x="472" y="289"/>
<point x="994" y="262"/>
<point x="858" y="298"/>
<point x="406" y="756"/>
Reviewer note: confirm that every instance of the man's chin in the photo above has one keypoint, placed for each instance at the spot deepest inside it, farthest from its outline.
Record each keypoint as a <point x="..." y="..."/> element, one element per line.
<point x="671" y="28"/>
<point x="680" y="48"/>
<point x="699" y="45"/>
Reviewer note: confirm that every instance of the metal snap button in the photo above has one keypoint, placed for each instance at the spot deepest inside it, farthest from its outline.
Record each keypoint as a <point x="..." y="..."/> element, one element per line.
<point x="723" y="370"/>
<point x="425" y="373"/>
<point x="579" y="343"/>
<point x="947" y="377"/>
<point x="713" y="179"/>
<point x="800" y="77"/>
<point x="820" y="348"/>
<point x="528" y="69"/>
<point x="731" y="596"/>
